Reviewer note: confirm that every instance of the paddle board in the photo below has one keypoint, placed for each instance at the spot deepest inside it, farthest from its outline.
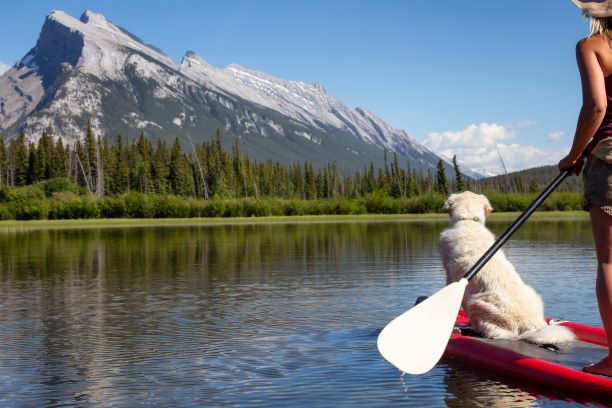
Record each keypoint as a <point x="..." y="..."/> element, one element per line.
<point x="560" y="369"/>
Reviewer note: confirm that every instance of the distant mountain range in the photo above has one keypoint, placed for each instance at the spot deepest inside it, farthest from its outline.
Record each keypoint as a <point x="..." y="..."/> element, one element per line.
<point x="91" y="70"/>
<point x="532" y="180"/>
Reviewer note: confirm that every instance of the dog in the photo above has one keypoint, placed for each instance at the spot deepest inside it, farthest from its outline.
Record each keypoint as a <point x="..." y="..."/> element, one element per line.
<point x="497" y="302"/>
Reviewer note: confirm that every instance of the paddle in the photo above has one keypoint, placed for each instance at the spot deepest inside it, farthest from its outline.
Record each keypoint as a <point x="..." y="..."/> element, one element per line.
<point x="415" y="341"/>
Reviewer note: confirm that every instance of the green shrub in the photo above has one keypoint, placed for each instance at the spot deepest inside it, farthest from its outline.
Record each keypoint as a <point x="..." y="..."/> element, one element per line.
<point x="138" y="205"/>
<point x="6" y="212"/>
<point x="77" y="208"/>
<point x="195" y="207"/>
<point x="11" y="194"/>
<point x="59" y="199"/>
<point x="344" y="207"/>
<point x="170" y="206"/>
<point x="113" y="207"/>
<point x="213" y="208"/>
<point x="563" y="201"/>
<point x="56" y="185"/>
<point x="5" y="193"/>
<point x="233" y="208"/>
<point x="431" y="203"/>
<point x="30" y="209"/>
<point x="566" y="201"/>
<point x="379" y="202"/>
<point x="263" y="208"/>
<point x="293" y="207"/>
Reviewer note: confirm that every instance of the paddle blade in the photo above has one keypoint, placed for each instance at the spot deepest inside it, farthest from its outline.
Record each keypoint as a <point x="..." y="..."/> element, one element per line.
<point x="415" y="341"/>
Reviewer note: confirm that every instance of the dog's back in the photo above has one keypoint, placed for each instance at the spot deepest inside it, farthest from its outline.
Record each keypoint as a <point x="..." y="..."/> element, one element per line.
<point x="499" y="304"/>
<point x="461" y="245"/>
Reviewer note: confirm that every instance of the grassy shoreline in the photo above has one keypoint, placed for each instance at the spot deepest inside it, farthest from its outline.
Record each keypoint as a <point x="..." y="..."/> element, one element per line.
<point x="292" y="219"/>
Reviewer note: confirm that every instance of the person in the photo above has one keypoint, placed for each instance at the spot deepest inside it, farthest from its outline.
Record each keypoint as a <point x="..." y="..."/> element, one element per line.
<point x="594" y="58"/>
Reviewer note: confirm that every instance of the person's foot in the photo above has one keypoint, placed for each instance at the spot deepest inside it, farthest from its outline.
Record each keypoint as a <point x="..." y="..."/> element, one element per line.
<point x="601" y="368"/>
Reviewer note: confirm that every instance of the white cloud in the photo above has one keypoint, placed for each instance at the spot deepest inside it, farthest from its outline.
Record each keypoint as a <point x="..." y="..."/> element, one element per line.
<point x="555" y="136"/>
<point x="3" y="67"/>
<point x="525" y="123"/>
<point x="477" y="148"/>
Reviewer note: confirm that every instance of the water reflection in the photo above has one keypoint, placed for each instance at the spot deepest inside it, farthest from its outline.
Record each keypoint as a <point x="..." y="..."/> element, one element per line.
<point x="468" y="389"/>
<point x="258" y="315"/>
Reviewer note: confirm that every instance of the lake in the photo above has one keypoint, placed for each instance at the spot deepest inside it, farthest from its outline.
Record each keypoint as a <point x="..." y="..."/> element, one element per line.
<point x="269" y="315"/>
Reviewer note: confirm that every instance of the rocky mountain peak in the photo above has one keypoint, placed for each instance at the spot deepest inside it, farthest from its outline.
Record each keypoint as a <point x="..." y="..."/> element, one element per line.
<point x="90" y="70"/>
<point x="96" y="19"/>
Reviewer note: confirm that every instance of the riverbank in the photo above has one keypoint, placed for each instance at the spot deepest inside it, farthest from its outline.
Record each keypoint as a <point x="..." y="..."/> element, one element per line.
<point x="296" y="219"/>
<point x="34" y="203"/>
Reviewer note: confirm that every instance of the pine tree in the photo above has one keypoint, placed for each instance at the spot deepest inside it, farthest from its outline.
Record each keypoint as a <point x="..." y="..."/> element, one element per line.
<point x="100" y="185"/>
<point x="60" y="160"/>
<point x="297" y="180"/>
<point x="118" y="169"/>
<point x="310" y="186"/>
<point x="32" y="171"/>
<point x="19" y="161"/>
<point x="3" y="162"/>
<point x="369" y="182"/>
<point x="385" y="182"/>
<point x="397" y="178"/>
<point x="89" y="159"/>
<point x="459" y="186"/>
<point x="161" y="168"/>
<point x="441" y="179"/>
<point x="81" y="176"/>
<point x="239" y="169"/>
<point x="141" y="177"/>
<point x="180" y="175"/>
<point x="43" y="166"/>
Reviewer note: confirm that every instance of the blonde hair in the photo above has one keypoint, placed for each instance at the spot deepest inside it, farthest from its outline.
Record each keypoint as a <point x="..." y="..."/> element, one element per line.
<point x="600" y="25"/>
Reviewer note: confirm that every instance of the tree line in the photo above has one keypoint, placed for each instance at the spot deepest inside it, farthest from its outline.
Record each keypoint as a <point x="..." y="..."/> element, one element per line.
<point x="206" y="170"/>
<point x="209" y="170"/>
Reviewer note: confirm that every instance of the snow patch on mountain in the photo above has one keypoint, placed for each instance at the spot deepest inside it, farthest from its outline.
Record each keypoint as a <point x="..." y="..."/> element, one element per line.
<point x="138" y="121"/>
<point x="307" y="104"/>
<point x="107" y="47"/>
<point x="180" y="119"/>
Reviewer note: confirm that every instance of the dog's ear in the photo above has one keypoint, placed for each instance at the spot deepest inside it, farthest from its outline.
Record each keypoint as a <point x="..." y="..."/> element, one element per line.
<point x="487" y="205"/>
<point x="449" y="203"/>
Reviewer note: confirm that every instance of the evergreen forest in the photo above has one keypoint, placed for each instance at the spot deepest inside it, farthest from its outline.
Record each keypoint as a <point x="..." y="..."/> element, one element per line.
<point x="99" y="178"/>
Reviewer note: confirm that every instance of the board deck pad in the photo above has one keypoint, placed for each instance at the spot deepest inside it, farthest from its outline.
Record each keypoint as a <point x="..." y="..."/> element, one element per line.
<point x="574" y="355"/>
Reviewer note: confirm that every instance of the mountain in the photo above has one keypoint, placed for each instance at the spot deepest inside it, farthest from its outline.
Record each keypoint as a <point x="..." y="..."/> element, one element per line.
<point x="532" y="180"/>
<point x="91" y="70"/>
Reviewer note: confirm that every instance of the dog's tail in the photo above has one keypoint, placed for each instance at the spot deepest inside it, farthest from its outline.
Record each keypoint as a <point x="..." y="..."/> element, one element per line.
<point x="549" y="334"/>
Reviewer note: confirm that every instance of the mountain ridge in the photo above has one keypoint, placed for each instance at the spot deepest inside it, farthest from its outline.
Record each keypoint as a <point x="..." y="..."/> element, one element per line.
<point x="93" y="71"/>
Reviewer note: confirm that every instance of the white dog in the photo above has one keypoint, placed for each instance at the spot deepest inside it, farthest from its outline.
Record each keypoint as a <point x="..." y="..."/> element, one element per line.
<point x="498" y="303"/>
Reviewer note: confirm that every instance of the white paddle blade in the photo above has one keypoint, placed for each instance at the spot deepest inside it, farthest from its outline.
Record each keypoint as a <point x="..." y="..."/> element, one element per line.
<point x="415" y="341"/>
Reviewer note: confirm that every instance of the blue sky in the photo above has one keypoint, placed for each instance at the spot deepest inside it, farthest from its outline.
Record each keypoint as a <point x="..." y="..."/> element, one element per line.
<point x="464" y="78"/>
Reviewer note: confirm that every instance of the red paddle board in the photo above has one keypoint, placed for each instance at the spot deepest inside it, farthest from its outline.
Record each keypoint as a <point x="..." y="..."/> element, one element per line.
<point x="560" y="369"/>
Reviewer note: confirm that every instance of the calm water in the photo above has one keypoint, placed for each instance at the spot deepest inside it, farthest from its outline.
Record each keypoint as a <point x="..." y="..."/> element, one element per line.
<point x="251" y="315"/>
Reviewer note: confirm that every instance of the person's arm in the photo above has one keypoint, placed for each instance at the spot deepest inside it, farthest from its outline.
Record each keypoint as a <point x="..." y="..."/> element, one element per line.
<point x="594" y="102"/>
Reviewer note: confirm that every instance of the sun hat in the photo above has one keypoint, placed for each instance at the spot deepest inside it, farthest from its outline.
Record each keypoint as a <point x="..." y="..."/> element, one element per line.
<point x="595" y="8"/>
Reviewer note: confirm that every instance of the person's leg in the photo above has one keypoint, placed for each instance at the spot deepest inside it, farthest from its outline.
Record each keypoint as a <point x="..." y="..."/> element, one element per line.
<point x="601" y="224"/>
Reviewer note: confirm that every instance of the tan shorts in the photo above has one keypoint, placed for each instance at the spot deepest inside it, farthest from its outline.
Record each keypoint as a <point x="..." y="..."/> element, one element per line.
<point x="597" y="177"/>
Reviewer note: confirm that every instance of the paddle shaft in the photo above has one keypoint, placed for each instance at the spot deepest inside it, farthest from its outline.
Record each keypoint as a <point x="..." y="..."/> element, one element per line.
<point x="523" y="217"/>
